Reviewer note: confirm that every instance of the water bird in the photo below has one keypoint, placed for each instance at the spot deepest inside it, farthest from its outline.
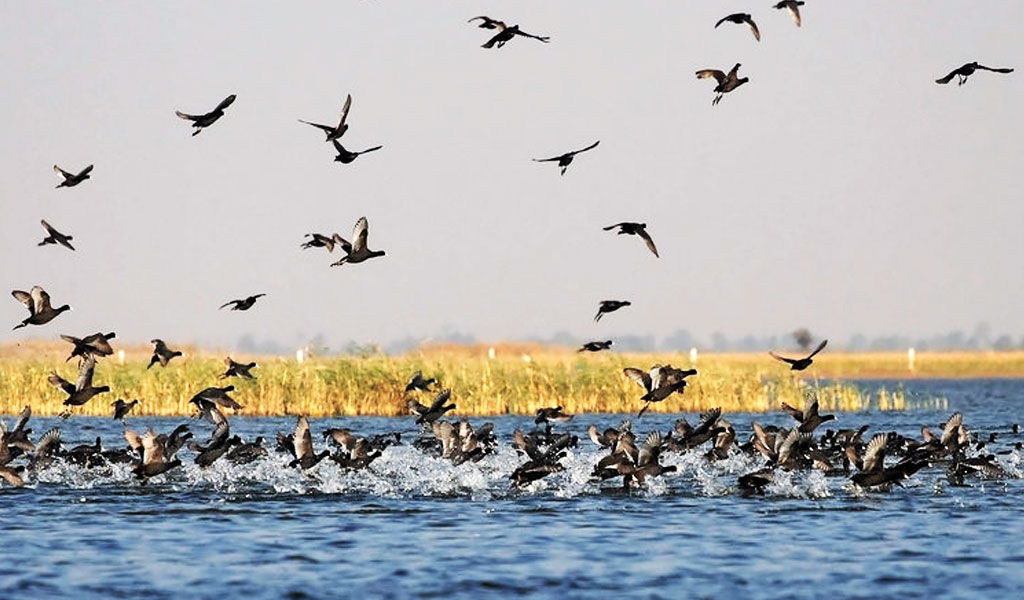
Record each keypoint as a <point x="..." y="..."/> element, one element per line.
<point x="357" y="251"/>
<point x="685" y="436"/>
<point x="540" y="463"/>
<point x="72" y="179"/>
<point x="55" y="237"/>
<point x="161" y="353"/>
<point x="247" y="452"/>
<point x="504" y="32"/>
<point x="727" y="82"/>
<point x="319" y="240"/>
<point x="638" y="229"/>
<point x="740" y="19"/>
<point x="552" y="415"/>
<point x="243" y="304"/>
<point x="564" y="160"/>
<point x="595" y="346"/>
<point x="965" y="71"/>
<point x="418" y="382"/>
<point x="82" y="390"/>
<point x="12" y="475"/>
<point x="38" y="303"/>
<point x="334" y="131"/>
<point x="122" y="408"/>
<point x="156" y="459"/>
<point x="648" y="462"/>
<point x="607" y="306"/>
<point x="218" y="396"/>
<point x="302" y="446"/>
<point x="809" y="419"/>
<point x="799" y="364"/>
<point x="346" y="156"/>
<point x="237" y="369"/>
<point x="96" y="345"/>
<point x="200" y="122"/>
<point x="793" y="6"/>
<point x="661" y="382"/>
<point x="436" y="410"/>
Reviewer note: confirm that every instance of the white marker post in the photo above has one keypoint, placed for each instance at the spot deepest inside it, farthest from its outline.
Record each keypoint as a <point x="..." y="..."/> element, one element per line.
<point x="491" y="353"/>
<point x="693" y="356"/>
<point x="120" y="357"/>
<point x="911" y="355"/>
<point x="300" y="356"/>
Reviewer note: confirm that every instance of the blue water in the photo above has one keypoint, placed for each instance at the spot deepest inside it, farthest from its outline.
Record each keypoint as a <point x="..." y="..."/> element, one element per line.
<point x="412" y="526"/>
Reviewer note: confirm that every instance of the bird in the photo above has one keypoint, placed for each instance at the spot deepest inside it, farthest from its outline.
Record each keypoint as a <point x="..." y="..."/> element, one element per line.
<point x="965" y="71"/>
<point x="122" y="408"/>
<point x="97" y="344"/>
<point x="419" y="382"/>
<point x="809" y="419"/>
<point x="607" y="306"/>
<point x="302" y="443"/>
<point x="661" y="382"/>
<point x="319" y="240"/>
<point x="346" y="156"/>
<point x="55" y="237"/>
<point x="357" y="251"/>
<point x="799" y="364"/>
<point x="726" y="82"/>
<point x="564" y="160"/>
<point x="38" y="303"/>
<point x="336" y="131"/>
<point x="72" y="179"/>
<point x="236" y="369"/>
<point x="244" y="304"/>
<point x="595" y="346"/>
<point x="82" y="390"/>
<point x="793" y="6"/>
<point x="436" y="410"/>
<point x="739" y="19"/>
<point x="639" y="229"/>
<point x="156" y="459"/>
<point x="504" y="32"/>
<point x="552" y="415"/>
<point x="200" y="122"/>
<point x="161" y="353"/>
<point x="218" y="396"/>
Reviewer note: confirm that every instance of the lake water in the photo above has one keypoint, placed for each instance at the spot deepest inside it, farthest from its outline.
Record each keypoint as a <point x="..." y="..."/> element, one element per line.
<point x="412" y="526"/>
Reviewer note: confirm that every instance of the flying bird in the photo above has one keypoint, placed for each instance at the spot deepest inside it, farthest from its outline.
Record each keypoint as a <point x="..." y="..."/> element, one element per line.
<point x="419" y="382"/>
<point x="319" y="240"/>
<point x="793" y="6"/>
<point x="200" y="122"/>
<point x="55" y="237"/>
<point x="346" y="156"/>
<point x="965" y="71"/>
<point x="82" y="390"/>
<point x="595" y="346"/>
<point x="357" y="251"/>
<point x="96" y="345"/>
<point x="726" y="82"/>
<point x="799" y="364"/>
<point x="218" y="396"/>
<point x="237" y="369"/>
<point x="661" y="382"/>
<point x="809" y="418"/>
<point x="564" y="160"/>
<point x="38" y="303"/>
<point x="122" y="408"/>
<point x="740" y="19"/>
<point x="504" y="32"/>
<point x="639" y="229"/>
<point x="244" y="304"/>
<point x="436" y="410"/>
<point x="608" y="306"/>
<point x="334" y="131"/>
<point x="72" y="179"/>
<point x="161" y="353"/>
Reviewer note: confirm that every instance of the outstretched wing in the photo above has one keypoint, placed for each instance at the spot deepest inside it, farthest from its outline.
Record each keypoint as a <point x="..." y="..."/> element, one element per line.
<point x="820" y="347"/>
<point x="62" y="172"/>
<point x="719" y="76"/>
<point x="753" y="28"/>
<point x="26" y="299"/>
<point x="590" y="147"/>
<point x="650" y="243"/>
<point x="225" y="103"/>
<point x="303" y="438"/>
<point x="640" y="377"/>
<point x="85" y="171"/>
<point x="41" y="299"/>
<point x="342" y="127"/>
<point x="994" y="69"/>
<point x="85" y="374"/>
<point x="326" y="128"/>
<point x="359" y="234"/>
<point x="788" y="361"/>
<point x="58" y="381"/>
<point x="185" y="116"/>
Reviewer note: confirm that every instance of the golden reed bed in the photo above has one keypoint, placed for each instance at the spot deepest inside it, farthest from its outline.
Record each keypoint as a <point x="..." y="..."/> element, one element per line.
<point x="518" y="380"/>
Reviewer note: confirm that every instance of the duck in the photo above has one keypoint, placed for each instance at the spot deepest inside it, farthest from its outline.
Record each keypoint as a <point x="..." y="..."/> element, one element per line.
<point x="335" y="132"/>
<point x="964" y="71"/>
<point x="793" y="6"/>
<point x="155" y="458"/>
<point x="661" y="382"/>
<point x="96" y="345"/>
<point x="647" y="463"/>
<point x="38" y="303"/>
<point x="55" y="237"/>
<point x="809" y="419"/>
<point x="302" y="446"/>
<point x="552" y="415"/>
<point x="72" y="179"/>
<point x="347" y="156"/>
<point x="161" y="353"/>
<point x="122" y="408"/>
<point x="357" y="251"/>
<point x="200" y="122"/>
<point x="637" y="229"/>
<point x="608" y="306"/>
<point x="504" y="32"/>
<point x="727" y="82"/>
<point x="213" y="453"/>
<point x="564" y="160"/>
<point x="242" y="304"/>
<point x="436" y="410"/>
<point x="799" y="364"/>
<point x="595" y="346"/>
<point x="740" y="19"/>
<point x="218" y="396"/>
<point x="82" y="390"/>
<point x="237" y="369"/>
<point x="418" y="382"/>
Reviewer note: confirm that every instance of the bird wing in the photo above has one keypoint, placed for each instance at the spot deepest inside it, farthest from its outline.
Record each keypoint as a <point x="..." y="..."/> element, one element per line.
<point x="40" y="299"/>
<point x="85" y="374"/>
<point x="186" y="116"/>
<point x="49" y="229"/>
<point x="359" y="234"/>
<point x="26" y="414"/>
<point x="949" y="432"/>
<point x="303" y="438"/>
<point x="225" y="103"/>
<point x="874" y="454"/>
<point x="610" y="227"/>
<point x="723" y="20"/>
<point x="152" y="448"/>
<point x="84" y="171"/>
<point x="820" y="347"/>
<point x="782" y="358"/>
<point x="62" y="383"/>
<point x="647" y="240"/>
<point x="590" y="147"/>
<point x="705" y="73"/>
<point x="994" y="69"/>
<point x="326" y="128"/>
<point x="641" y="377"/>
<point x="753" y="28"/>
<point x="62" y="172"/>
<point x="948" y="78"/>
<point x="345" y="245"/>
<point x="552" y="159"/>
<point x="229" y="303"/>
<point x="439" y="401"/>
<point x="494" y="40"/>
<point x="99" y="343"/>
<point x="342" y="127"/>
<point x="794" y="11"/>
<point x="796" y="414"/>
<point x="49" y="442"/>
<point x="26" y="299"/>
<point x="373" y="149"/>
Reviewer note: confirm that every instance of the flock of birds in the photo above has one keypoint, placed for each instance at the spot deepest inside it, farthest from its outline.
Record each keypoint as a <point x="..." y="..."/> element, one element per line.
<point x="153" y="454"/>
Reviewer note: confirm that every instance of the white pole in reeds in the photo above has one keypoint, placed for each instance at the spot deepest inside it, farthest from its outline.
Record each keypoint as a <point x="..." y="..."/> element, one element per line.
<point x="490" y="353"/>
<point x="911" y="355"/>
<point x="120" y="357"/>
<point x="693" y="356"/>
<point x="300" y="355"/>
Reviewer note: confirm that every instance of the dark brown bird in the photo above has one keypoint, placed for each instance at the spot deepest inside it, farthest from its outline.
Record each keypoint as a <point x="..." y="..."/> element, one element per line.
<point x="156" y="459"/>
<point x="552" y="415"/>
<point x="638" y="229"/>
<point x="607" y="306"/>
<point x="335" y="131"/>
<point x="727" y="82"/>
<point x="346" y="156"/>
<point x="96" y="345"/>
<point x="55" y="237"/>
<point x="740" y="19"/>
<point x="504" y="32"/>
<point x="244" y="304"/>
<point x="660" y="383"/>
<point x="236" y="369"/>
<point x="793" y="6"/>
<point x="564" y="160"/>
<point x="595" y="346"/>
<point x="318" y="240"/>
<point x="799" y="364"/>
<point x="965" y="71"/>
<point x="357" y="251"/>
<point x="122" y="408"/>
<point x="218" y="396"/>
<point x="436" y="410"/>
<point x="72" y="179"/>
<point x="161" y="353"/>
<point x="418" y="382"/>
<point x="302" y="440"/>
<point x="82" y="390"/>
<point x="809" y="419"/>
<point x="38" y="303"/>
<point x="200" y="122"/>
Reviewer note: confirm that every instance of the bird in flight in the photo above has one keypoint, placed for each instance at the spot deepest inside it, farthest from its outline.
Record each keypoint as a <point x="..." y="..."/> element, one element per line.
<point x="334" y="131"/>
<point x="740" y="19"/>
<point x="608" y="306"/>
<point x="965" y="71"/>
<point x="237" y="369"/>
<point x="639" y="229"/>
<point x="199" y="122"/>
<point x="793" y="6"/>
<point x="161" y="353"/>
<point x="82" y="390"/>
<point x="346" y="156"/>
<point x="595" y="346"/>
<point x="564" y="160"/>
<point x="72" y="179"/>
<point x="660" y="383"/>
<point x="799" y="364"/>
<point x="504" y="32"/>
<point x="357" y="251"/>
<point x="726" y="82"/>
<point x="319" y="240"/>
<point x="97" y="345"/>
<point x="55" y="237"/>
<point x="38" y="303"/>
<point x="245" y="304"/>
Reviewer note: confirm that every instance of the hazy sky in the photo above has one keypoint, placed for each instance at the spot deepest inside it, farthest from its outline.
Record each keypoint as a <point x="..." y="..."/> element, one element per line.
<point x="841" y="189"/>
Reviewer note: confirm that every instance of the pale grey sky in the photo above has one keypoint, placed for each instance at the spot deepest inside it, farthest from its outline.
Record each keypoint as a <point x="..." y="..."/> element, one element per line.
<point x="841" y="189"/>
